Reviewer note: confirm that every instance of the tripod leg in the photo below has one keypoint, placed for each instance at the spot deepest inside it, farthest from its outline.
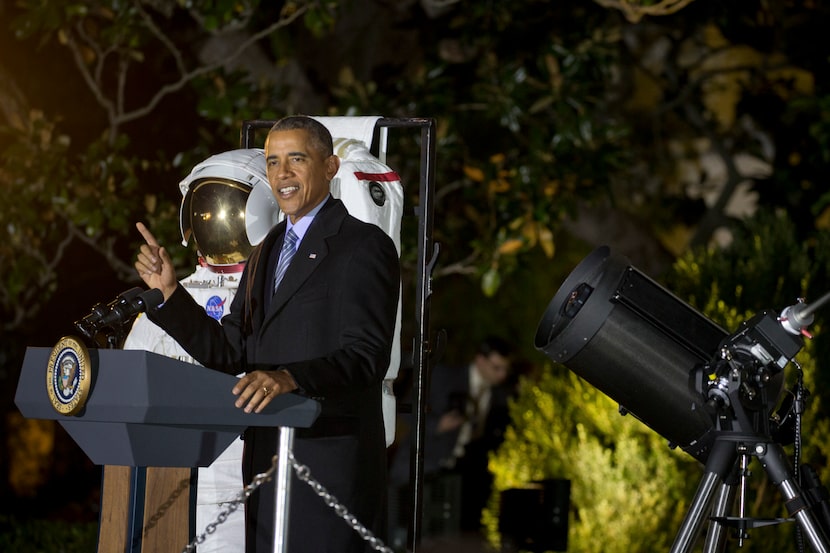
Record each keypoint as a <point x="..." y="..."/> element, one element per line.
<point x="718" y="466"/>
<point x="812" y="487"/>
<point x="716" y="534"/>
<point x="697" y="513"/>
<point x="775" y="464"/>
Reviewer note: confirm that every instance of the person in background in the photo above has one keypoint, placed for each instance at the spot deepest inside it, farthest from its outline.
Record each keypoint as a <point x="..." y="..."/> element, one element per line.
<point x="467" y="414"/>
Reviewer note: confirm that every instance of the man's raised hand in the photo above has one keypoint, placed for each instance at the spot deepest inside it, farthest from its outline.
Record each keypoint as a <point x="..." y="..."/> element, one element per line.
<point x="153" y="264"/>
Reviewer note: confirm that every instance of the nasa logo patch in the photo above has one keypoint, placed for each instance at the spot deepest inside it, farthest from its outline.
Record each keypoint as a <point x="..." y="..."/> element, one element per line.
<point x="215" y="307"/>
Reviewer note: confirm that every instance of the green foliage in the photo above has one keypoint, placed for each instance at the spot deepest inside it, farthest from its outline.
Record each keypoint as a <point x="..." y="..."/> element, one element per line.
<point x="226" y="100"/>
<point x="799" y="184"/>
<point x="47" y="536"/>
<point x="627" y="486"/>
<point x="525" y="134"/>
<point x="219" y="13"/>
<point x="80" y="193"/>
<point x="524" y="141"/>
<point x="320" y="19"/>
<point x="60" y="195"/>
<point x="539" y="103"/>
<point x="765" y="266"/>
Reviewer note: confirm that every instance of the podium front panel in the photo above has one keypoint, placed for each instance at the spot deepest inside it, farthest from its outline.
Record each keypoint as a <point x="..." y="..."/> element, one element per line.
<point x="148" y="445"/>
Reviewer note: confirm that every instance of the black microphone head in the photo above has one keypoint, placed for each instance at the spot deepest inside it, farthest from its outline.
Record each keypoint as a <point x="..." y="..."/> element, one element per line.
<point x="131" y="303"/>
<point x="129" y="295"/>
<point x="150" y="298"/>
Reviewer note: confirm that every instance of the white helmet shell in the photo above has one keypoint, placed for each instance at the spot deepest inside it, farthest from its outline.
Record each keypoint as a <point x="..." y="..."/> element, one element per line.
<point x="214" y="209"/>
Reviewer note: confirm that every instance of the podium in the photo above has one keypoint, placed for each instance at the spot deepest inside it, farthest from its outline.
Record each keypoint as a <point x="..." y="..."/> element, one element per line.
<point x="144" y="412"/>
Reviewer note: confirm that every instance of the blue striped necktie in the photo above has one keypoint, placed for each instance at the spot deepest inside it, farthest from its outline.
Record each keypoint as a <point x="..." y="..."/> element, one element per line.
<point x="288" y="250"/>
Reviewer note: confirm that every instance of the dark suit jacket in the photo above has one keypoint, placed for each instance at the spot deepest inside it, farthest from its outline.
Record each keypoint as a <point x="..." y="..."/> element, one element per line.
<point x="449" y="390"/>
<point x="330" y="324"/>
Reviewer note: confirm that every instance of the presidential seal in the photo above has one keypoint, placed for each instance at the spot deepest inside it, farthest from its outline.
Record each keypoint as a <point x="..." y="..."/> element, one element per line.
<point x="68" y="376"/>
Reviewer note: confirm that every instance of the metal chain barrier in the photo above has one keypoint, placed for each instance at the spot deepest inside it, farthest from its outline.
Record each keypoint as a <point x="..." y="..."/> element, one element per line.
<point x="232" y="506"/>
<point x="304" y="474"/>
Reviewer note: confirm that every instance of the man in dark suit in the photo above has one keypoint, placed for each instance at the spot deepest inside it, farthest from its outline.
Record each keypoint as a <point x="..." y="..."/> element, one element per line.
<point x="467" y="415"/>
<point x="324" y="330"/>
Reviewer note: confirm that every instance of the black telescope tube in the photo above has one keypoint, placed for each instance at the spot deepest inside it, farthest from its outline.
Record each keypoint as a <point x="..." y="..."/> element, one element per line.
<point x="635" y="342"/>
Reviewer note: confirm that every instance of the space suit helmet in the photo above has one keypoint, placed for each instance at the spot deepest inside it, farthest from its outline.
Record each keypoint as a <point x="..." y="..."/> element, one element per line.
<point x="213" y="210"/>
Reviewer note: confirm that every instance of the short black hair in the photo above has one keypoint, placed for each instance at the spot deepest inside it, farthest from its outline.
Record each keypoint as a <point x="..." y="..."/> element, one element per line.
<point x="495" y="344"/>
<point x="320" y="135"/>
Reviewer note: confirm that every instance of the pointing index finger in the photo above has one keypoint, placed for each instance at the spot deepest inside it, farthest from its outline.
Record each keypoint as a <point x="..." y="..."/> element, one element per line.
<point x="146" y="234"/>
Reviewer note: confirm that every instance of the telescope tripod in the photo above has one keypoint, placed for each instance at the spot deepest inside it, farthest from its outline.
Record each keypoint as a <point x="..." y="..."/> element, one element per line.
<point x="730" y="453"/>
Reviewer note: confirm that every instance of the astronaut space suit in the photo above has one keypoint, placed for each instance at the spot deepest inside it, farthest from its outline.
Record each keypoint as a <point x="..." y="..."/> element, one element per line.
<point x="219" y="185"/>
<point x="370" y="190"/>
<point x="221" y="482"/>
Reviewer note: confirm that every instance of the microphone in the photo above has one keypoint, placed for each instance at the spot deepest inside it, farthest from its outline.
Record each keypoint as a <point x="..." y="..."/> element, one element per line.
<point x="119" y="311"/>
<point x="131" y="303"/>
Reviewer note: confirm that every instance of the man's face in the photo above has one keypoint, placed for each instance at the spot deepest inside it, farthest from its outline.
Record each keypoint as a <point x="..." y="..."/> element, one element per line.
<point x="493" y="368"/>
<point x="298" y="173"/>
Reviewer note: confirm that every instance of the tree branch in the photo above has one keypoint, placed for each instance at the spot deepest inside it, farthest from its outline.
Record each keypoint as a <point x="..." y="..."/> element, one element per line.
<point x="635" y="11"/>
<point x="117" y="114"/>
<point x="30" y="296"/>
<point x="161" y="37"/>
<point x="189" y="76"/>
<point x="91" y="82"/>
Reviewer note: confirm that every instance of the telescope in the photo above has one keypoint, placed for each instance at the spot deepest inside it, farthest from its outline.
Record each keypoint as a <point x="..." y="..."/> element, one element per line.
<point x="664" y="362"/>
<point x="710" y="392"/>
<point x="637" y="343"/>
